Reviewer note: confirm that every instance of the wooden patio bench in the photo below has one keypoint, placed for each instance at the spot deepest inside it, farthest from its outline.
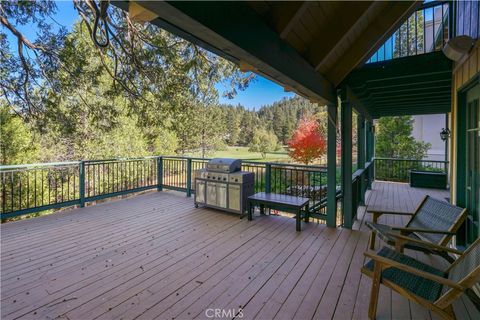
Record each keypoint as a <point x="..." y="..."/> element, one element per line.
<point x="428" y="286"/>
<point x="433" y="222"/>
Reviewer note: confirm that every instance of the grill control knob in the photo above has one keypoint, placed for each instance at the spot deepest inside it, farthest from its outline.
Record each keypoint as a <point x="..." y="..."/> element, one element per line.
<point x="236" y="180"/>
<point x="224" y="179"/>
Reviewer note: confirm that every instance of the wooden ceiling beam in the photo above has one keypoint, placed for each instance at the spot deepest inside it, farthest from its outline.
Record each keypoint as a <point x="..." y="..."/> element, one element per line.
<point x="403" y="81"/>
<point x="339" y="29"/>
<point x="411" y="111"/>
<point x="408" y="99"/>
<point x="357" y="103"/>
<point x="138" y="13"/>
<point x="394" y="103"/>
<point x="288" y="15"/>
<point x="413" y="90"/>
<point x="385" y="23"/>
<point x="413" y="97"/>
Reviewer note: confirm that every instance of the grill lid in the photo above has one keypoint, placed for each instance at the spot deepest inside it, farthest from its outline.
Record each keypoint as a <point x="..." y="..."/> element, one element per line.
<point x="226" y="165"/>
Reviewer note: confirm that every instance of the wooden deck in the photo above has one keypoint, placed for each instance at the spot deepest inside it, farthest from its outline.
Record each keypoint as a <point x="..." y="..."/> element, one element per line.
<point x="394" y="196"/>
<point x="154" y="256"/>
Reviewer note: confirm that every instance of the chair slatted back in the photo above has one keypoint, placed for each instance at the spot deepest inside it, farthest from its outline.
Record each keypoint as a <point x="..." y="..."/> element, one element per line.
<point x="467" y="263"/>
<point x="465" y="271"/>
<point x="436" y="215"/>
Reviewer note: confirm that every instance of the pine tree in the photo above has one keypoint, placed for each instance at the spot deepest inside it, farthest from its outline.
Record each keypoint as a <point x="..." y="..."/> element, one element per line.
<point x="393" y="139"/>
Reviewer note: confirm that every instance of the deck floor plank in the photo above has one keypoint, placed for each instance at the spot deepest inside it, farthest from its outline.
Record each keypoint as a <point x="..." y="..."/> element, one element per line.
<point x="154" y="256"/>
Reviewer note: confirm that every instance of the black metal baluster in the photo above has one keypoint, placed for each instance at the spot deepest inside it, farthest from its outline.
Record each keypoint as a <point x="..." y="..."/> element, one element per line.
<point x="433" y="29"/>
<point x="99" y="179"/>
<point x="423" y="33"/>
<point x="137" y="175"/>
<point x="61" y="183"/>
<point x="416" y="32"/>
<point x="11" y="190"/>
<point x="92" y="168"/>
<point x="27" y="203"/>
<point x="43" y="189"/>
<point x="68" y="185"/>
<point x="49" y="187"/>
<point x="132" y="175"/>
<point x="408" y="36"/>
<point x="4" y="193"/>
<point x="20" y="190"/>
<point x="56" y="184"/>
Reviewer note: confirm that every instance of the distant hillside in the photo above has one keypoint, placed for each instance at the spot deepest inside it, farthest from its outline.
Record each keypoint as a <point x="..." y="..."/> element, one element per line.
<point x="280" y="117"/>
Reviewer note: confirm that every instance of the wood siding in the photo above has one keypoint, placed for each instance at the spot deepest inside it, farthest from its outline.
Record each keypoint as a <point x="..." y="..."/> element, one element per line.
<point x="464" y="71"/>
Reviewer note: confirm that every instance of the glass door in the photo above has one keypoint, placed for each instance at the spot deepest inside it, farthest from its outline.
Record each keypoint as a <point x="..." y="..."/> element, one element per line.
<point x="473" y="164"/>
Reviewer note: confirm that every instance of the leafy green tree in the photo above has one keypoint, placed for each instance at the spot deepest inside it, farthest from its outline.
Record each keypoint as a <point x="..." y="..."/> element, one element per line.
<point x="393" y="139"/>
<point x="165" y="142"/>
<point x="263" y="141"/>
<point x="247" y="125"/>
<point x="233" y="125"/>
<point x="17" y="143"/>
<point x="142" y="62"/>
<point x="126" y="139"/>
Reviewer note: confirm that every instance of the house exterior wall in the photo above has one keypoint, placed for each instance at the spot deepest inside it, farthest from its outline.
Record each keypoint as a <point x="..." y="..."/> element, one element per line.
<point x="464" y="71"/>
<point x="427" y="128"/>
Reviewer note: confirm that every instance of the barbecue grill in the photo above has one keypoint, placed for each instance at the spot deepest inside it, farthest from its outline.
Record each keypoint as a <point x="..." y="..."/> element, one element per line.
<point x="222" y="185"/>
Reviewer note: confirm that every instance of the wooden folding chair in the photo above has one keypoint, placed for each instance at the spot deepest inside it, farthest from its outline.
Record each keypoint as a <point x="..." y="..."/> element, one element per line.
<point x="434" y="221"/>
<point x="430" y="287"/>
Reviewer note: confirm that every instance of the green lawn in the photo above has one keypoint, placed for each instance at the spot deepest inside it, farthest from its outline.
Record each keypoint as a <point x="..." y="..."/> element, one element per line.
<point x="243" y="153"/>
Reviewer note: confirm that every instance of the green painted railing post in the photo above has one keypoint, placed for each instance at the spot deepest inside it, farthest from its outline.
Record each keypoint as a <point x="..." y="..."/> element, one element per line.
<point x="189" y="177"/>
<point x="268" y="178"/>
<point x="159" y="174"/>
<point x="81" y="188"/>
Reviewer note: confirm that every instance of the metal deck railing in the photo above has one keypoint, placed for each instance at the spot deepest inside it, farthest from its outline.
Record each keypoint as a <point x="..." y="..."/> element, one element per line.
<point x="32" y="188"/>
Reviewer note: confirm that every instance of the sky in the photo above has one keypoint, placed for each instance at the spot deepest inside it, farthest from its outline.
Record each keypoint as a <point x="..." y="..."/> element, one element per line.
<point x="260" y="92"/>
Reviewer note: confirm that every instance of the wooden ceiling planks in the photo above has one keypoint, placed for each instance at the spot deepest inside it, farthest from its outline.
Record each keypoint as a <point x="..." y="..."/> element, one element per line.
<point x="342" y="32"/>
<point x="307" y="45"/>
<point x="334" y="36"/>
<point x="377" y="31"/>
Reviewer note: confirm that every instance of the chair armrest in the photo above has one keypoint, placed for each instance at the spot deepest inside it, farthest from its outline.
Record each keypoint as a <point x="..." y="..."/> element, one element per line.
<point x="377" y="213"/>
<point x="410" y="230"/>
<point x="392" y="263"/>
<point x="427" y="244"/>
<point x="390" y="212"/>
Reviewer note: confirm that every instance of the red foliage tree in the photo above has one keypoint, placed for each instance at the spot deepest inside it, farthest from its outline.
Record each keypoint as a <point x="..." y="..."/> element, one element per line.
<point x="307" y="143"/>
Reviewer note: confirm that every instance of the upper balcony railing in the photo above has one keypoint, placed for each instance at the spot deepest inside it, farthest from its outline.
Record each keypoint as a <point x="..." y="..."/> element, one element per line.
<point x="426" y="30"/>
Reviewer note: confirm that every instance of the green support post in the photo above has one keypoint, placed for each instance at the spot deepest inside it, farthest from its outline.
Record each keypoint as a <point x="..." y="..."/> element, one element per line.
<point x="372" y="149"/>
<point x="332" y="166"/>
<point x="189" y="177"/>
<point x="159" y="174"/>
<point x="369" y="150"/>
<point x="268" y="178"/>
<point x="347" y="205"/>
<point x="361" y="155"/>
<point x="81" y="169"/>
